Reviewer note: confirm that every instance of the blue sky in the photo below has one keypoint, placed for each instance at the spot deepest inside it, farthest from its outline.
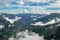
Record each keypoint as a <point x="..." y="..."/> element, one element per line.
<point x="45" y="5"/>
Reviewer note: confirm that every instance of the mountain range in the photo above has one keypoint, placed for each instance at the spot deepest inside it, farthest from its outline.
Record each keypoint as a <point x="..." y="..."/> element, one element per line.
<point x="42" y="24"/>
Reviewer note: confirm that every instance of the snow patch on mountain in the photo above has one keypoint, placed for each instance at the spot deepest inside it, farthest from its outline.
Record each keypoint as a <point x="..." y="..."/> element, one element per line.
<point x="12" y="20"/>
<point x="33" y="16"/>
<point x="38" y="17"/>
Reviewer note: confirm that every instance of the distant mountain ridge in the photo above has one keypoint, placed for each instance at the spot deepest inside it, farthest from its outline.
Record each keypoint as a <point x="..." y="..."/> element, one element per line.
<point x="32" y="18"/>
<point x="25" y="17"/>
<point x="48" y="17"/>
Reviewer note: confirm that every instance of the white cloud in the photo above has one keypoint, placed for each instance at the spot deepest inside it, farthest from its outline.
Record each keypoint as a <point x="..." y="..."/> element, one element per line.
<point x="30" y="9"/>
<point x="49" y="22"/>
<point x="21" y="3"/>
<point x="12" y="20"/>
<point x="8" y="5"/>
<point x="3" y="2"/>
<point x="39" y="24"/>
<point x="38" y="1"/>
<point x="26" y="35"/>
<point x="39" y="9"/>
<point x="56" y="4"/>
<point x="11" y="38"/>
<point x="2" y="26"/>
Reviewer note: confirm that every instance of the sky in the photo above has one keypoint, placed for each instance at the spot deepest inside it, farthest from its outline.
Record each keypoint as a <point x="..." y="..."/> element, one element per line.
<point x="29" y="6"/>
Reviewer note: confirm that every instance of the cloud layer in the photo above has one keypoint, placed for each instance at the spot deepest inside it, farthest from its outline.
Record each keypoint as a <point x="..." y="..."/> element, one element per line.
<point x="26" y="35"/>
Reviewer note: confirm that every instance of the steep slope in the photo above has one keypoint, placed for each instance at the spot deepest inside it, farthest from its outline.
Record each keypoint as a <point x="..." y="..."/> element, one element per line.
<point x="49" y="17"/>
